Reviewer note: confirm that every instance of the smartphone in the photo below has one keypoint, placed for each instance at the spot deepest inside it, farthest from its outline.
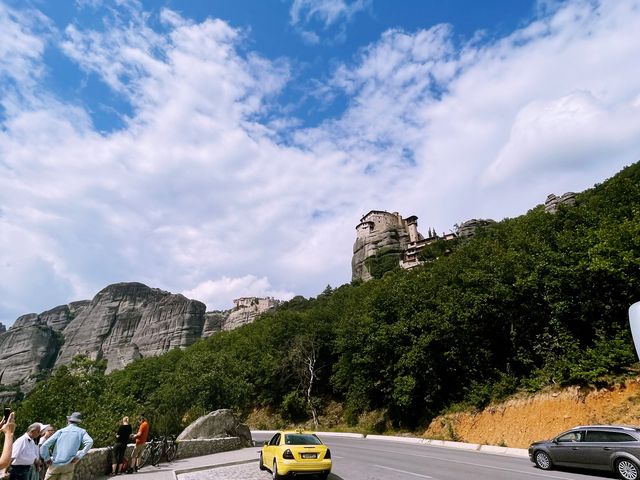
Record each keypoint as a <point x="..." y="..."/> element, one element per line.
<point x="7" y="412"/>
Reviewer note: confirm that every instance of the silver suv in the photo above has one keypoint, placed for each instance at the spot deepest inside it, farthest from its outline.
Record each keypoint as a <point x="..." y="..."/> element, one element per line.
<point x="600" y="447"/>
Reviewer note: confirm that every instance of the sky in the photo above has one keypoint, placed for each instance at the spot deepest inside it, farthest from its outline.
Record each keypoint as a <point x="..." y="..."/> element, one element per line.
<point x="229" y="148"/>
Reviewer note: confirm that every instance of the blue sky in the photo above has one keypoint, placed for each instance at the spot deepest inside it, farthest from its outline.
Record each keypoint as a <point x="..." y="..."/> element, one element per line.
<point x="224" y="149"/>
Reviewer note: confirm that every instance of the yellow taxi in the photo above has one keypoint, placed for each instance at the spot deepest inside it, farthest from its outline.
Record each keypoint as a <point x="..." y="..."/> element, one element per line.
<point x="296" y="452"/>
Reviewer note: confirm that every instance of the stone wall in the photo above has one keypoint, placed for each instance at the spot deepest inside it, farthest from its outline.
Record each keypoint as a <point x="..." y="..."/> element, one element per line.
<point x="96" y="463"/>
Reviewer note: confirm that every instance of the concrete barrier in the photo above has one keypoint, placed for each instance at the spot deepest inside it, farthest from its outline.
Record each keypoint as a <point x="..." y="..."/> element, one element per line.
<point x="474" y="447"/>
<point x="97" y="462"/>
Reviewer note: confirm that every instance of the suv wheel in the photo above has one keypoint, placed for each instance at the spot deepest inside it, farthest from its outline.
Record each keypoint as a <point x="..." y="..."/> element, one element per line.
<point x="543" y="460"/>
<point x="627" y="469"/>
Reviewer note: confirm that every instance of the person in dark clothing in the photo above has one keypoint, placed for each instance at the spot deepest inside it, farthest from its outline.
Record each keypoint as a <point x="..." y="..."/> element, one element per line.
<point x="119" y="448"/>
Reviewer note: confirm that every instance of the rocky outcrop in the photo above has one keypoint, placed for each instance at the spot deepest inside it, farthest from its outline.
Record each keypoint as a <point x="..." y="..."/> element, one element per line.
<point x="122" y="323"/>
<point x="127" y="321"/>
<point x="381" y="233"/>
<point x="213" y="322"/>
<point x="468" y="228"/>
<point x="246" y="310"/>
<point x="27" y="348"/>
<point x="2" y="328"/>
<point x="220" y="423"/>
<point x="552" y="202"/>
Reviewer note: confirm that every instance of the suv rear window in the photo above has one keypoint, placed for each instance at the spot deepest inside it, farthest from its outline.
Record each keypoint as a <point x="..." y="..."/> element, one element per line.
<point x="604" y="436"/>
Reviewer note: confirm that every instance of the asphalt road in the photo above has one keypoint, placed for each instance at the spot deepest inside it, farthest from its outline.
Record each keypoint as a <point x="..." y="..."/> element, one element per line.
<point x="361" y="459"/>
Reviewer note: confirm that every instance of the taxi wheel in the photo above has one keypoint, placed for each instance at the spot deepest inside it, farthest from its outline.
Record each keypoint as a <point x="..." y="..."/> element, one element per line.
<point x="274" y="471"/>
<point x="262" y="467"/>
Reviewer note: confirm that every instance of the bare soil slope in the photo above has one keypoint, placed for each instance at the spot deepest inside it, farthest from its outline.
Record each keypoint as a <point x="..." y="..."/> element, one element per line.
<point x="519" y="421"/>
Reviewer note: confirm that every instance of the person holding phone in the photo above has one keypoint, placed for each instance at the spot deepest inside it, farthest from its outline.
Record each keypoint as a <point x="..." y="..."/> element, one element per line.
<point x="7" y="426"/>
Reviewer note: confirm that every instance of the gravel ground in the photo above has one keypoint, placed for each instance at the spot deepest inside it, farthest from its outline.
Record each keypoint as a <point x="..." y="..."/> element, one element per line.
<point x="236" y="472"/>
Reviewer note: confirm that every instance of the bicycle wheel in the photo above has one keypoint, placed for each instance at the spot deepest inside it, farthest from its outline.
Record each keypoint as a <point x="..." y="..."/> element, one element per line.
<point x="156" y="452"/>
<point x="146" y="454"/>
<point x="172" y="450"/>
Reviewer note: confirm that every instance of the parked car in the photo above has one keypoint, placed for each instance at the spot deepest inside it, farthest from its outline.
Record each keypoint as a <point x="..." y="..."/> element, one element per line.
<point x="600" y="447"/>
<point x="297" y="452"/>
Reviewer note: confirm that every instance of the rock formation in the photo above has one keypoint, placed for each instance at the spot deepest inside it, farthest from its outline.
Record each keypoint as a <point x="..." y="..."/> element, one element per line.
<point x="127" y="321"/>
<point x="213" y="322"/>
<point x="27" y="348"/>
<point x="246" y="310"/>
<point x="552" y="202"/>
<point x="220" y="423"/>
<point x="381" y="232"/>
<point x="468" y="228"/>
<point x="122" y="323"/>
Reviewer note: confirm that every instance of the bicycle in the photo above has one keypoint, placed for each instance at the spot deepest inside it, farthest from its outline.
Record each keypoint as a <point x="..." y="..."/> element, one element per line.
<point x="164" y="447"/>
<point x="145" y="457"/>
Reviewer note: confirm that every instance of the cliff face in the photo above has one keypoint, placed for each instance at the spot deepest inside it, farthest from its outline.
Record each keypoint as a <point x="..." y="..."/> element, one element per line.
<point x="32" y="343"/>
<point x="378" y="232"/>
<point x="27" y="348"/>
<point x="127" y="321"/>
<point x="246" y="310"/>
<point x="122" y="323"/>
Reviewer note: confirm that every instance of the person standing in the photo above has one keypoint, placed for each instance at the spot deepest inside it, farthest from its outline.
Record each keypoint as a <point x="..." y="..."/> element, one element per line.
<point x="119" y="448"/>
<point x="24" y="454"/>
<point x="66" y="444"/>
<point x="7" y="427"/>
<point x="45" y="432"/>
<point x="141" y="440"/>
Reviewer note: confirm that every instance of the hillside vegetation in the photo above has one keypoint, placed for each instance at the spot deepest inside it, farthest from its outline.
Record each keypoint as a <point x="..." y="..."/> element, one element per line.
<point x="536" y="300"/>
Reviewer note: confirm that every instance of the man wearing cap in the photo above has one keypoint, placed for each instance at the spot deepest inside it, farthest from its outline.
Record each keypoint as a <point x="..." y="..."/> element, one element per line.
<point x="24" y="454"/>
<point x="66" y="444"/>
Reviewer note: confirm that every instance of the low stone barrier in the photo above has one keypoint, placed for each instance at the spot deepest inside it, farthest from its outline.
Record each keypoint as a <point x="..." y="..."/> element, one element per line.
<point x="96" y="463"/>
<point x="207" y="446"/>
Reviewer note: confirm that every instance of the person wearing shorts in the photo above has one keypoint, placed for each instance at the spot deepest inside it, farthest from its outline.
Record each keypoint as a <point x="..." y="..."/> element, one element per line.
<point x="141" y="440"/>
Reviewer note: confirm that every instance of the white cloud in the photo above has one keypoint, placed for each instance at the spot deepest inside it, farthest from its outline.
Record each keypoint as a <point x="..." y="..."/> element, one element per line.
<point x="195" y="192"/>
<point x="305" y="14"/>
<point x="552" y="103"/>
<point x="216" y="293"/>
<point x="327" y="11"/>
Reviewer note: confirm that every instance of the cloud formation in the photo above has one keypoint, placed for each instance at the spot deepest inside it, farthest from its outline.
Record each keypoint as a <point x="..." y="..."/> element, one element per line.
<point x="324" y="14"/>
<point x="197" y="192"/>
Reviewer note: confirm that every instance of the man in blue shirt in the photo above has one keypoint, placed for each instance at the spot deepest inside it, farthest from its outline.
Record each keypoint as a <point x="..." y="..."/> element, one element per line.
<point x="66" y="449"/>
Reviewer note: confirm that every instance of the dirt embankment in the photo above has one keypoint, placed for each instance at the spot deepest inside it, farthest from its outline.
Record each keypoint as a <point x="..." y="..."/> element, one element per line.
<point x="518" y="422"/>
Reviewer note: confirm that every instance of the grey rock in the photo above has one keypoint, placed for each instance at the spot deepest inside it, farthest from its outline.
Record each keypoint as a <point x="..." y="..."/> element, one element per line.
<point x="2" y="328"/>
<point x="468" y="229"/>
<point x="26" y="349"/>
<point x="123" y="322"/>
<point x="553" y="202"/>
<point x="220" y="423"/>
<point x="213" y="322"/>
<point x="380" y="231"/>
<point x="126" y="321"/>
<point x="247" y="309"/>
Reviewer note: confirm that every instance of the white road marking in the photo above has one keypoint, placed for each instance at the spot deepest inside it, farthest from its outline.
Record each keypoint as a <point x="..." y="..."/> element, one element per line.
<point x="403" y="471"/>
